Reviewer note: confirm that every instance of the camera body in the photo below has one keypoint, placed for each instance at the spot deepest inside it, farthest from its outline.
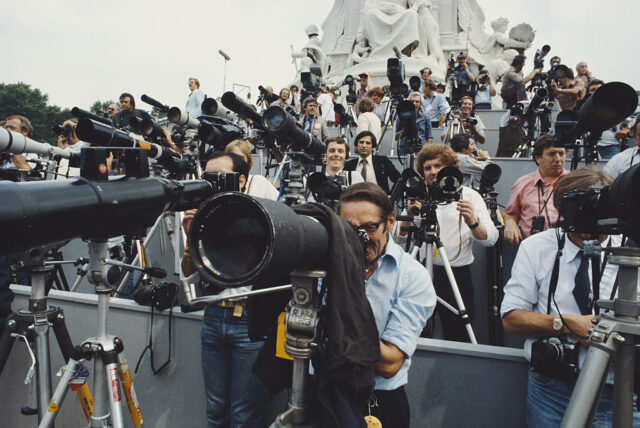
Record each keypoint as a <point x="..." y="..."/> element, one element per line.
<point x="161" y="296"/>
<point x="351" y="96"/>
<point x="471" y="121"/>
<point x="222" y="181"/>
<point x="555" y="357"/>
<point x="63" y="131"/>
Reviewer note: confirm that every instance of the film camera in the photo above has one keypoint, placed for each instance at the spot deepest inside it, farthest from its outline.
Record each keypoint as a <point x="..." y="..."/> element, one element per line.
<point x="63" y="131"/>
<point x="351" y="95"/>
<point x="555" y="356"/>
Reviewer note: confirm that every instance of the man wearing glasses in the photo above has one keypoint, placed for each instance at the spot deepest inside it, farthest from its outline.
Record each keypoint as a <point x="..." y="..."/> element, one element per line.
<point x="401" y="296"/>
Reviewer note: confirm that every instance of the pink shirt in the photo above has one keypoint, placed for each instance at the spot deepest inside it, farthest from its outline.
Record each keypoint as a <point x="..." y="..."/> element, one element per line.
<point x="527" y="201"/>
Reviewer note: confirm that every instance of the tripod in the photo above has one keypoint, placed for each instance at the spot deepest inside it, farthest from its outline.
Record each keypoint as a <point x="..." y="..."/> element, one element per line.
<point x="32" y="325"/>
<point x="495" y="269"/>
<point x="613" y="336"/>
<point x="426" y="233"/>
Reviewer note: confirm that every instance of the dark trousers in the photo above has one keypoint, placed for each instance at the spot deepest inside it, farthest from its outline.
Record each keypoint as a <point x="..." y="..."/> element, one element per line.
<point x="452" y="325"/>
<point x="392" y="409"/>
<point x="509" y="138"/>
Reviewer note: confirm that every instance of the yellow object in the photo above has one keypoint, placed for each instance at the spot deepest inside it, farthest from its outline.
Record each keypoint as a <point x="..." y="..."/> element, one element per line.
<point x="130" y="393"/>
<point x="280" y="339"/>
<point x="53" y="407"/>
<point x="86" y="401"/>
<point x="237" y="310"/>
<point x="372" y="422"/>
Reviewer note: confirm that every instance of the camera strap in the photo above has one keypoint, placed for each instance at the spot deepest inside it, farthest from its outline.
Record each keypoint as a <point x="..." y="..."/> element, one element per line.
<point x="553" y="284"/>
<point x="543" y="207"/>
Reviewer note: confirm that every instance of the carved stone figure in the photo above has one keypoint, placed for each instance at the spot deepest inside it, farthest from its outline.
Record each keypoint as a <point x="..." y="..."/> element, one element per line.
<point x="312" y="53"/>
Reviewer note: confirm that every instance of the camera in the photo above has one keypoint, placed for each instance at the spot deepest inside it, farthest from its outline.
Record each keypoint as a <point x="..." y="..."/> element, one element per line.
<point x="483" y="80"/>
<point x="327" y="190"/>
<point x="63" y="131"/>
<point x="447" y="187"/>
<point x="538" y="59"/>
<point x="222" y="181"/>
<point x="311" y="81"/>
<point x="161" y="296"/>
<point x="471" y="121"/>
<point x="537" y="224"/>
<point x="555" y="357"/>
<point x="351" y="96"/>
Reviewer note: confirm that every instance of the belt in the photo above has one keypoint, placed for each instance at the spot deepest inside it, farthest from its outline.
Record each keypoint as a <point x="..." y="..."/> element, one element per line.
<point x="226" y="303"/>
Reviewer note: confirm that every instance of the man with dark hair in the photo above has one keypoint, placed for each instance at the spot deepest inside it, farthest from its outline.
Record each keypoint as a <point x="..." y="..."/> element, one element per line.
<point x="464" y="78"/>
<point x="375" y="169"/>
<point x="234" y="394"/>
<point x="311" y="122"/>
<point x="484" y="91"/>
<point x="122" y="119"/>
<point x="390" y="272"/>
<point x="568" y="91"/>
<point x="550" y="295"/>
<point x="513" y="82"/>
<point x="459" y="225"/>
<point x="472" y="161"/>
<point x="530" y="208"/>
<point x="434" y="105"/>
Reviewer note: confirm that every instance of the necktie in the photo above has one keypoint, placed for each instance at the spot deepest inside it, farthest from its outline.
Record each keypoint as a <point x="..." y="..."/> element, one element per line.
<point x="582" y="289"/>
<point x="364" y="164"/>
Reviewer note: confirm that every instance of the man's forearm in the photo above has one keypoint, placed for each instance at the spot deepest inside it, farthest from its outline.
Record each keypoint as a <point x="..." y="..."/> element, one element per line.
<point x="441" y="121"/>
<point x="528" y="323"/>
<point x="391" y="360"/>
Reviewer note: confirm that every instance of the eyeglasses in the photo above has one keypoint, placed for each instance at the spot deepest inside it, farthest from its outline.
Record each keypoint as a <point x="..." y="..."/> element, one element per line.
<point x="369" y="227"/>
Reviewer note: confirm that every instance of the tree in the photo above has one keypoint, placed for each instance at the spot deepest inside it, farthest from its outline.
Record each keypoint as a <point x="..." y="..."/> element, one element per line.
<point x="100" y="107"/>
<point x="20" y="99"/>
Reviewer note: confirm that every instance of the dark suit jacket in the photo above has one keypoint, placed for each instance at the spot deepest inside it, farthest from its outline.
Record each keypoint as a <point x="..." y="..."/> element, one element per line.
<point x="383" y="168"/>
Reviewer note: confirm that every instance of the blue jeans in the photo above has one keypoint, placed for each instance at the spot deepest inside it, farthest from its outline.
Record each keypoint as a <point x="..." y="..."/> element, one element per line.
<point x="548" y="398"/>
<point x="607" y="152"/>
<point x="235" y="395"/>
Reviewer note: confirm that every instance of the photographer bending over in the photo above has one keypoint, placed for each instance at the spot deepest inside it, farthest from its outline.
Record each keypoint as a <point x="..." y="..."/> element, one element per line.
<point x="401" y="296"/>
<point x="472" y="160"/>
<point x="235" y="396"/>
<point x="566" y="318"/>
<point x="459" y="224"/>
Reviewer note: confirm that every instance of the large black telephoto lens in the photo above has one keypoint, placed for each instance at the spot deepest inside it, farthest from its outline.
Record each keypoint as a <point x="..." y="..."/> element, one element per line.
<point x="34" y="213"/>
<point x="284" y="127"/>
<point x="83" y="114"/>
<point x="608" y="106"/>
<point x="105" y="135"/>
<point x="242" y="109"/>
<point x="236" y="240"/>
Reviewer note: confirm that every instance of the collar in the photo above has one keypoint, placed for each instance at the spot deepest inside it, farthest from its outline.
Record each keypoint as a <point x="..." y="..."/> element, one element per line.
<point x="368" y="158"/>
<point x="392" y="251"/>
<point x="571" y="250"/>
<point x="538" y="177"/>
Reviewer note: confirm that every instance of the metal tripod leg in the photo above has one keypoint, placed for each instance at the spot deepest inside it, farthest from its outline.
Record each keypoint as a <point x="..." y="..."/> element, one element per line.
<point x="456" y="294"/>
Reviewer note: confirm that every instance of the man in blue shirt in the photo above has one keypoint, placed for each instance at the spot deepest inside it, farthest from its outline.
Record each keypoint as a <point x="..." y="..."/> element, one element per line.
<point x="435" y="105"/>
<point x="401" y="296"/>
<point x="422" y="122"/>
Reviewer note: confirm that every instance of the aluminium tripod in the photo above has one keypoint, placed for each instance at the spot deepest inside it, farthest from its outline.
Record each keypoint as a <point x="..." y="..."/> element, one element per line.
<point x="32" y="325"/>
<point x="426" y="234"/>
<point x="615" y="335"/>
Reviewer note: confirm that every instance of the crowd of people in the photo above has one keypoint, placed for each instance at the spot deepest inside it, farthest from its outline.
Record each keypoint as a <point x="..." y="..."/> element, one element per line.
<point x="400" y="290"/>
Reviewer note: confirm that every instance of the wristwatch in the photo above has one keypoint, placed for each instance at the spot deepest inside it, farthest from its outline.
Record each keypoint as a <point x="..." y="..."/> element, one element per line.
<point x="557" y="324"/>
<point x="474" y="225"/>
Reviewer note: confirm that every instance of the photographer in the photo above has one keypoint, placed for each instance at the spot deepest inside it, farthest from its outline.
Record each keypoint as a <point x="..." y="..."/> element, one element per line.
<point x="363" y="90"/>
<point x="626" y="159"/>
<point x="122" y="118"/>
<point x="195" y="99"/>
<point x="234" y="395"/>
<point x="567" y="90"/>
<point x="459" y="224"/>
<point x="422" y="123"/>
<point x="464" y="77"/>
<point x="471" y="124"/>
<point x="311" y="122"/>
<point x="530" y="208"/>
<point x="484" y="91"/>
<point x="528" y="310"/>
<point x="69" y="140"/>
<point x="325" y="100"/>
<point x="111" y="110"/>
<point x="375" y="169"/>
<point x="513" y="83"/>
<point x="435" y="105"/>
<point x="401" y="296"/>
<point x="23" y="126"/>
<point x="367" y="119"/>
<point x="381" y="104"/>
<point x="472" y="160"/>
<point x="257" y="185"/>
<point x="294" y="99"/>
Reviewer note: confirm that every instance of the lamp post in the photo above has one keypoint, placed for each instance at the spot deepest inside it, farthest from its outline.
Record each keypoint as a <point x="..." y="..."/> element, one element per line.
<point x="226" y="59"/>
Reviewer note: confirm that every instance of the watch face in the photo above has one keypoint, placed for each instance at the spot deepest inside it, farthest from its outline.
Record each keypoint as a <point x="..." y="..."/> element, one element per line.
<point x="557" y="324"/>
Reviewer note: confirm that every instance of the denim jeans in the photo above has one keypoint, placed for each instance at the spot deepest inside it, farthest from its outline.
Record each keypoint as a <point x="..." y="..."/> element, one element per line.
<point x="234" y="394"/>
<point x="607" y="152"/>
<point x="548" y="398"/>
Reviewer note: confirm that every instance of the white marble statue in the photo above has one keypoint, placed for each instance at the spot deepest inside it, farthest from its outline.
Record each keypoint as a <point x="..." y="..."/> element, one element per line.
<point x="312" y="53"/>
<point x="496" y="50"/>
<point x="432" y="28"/>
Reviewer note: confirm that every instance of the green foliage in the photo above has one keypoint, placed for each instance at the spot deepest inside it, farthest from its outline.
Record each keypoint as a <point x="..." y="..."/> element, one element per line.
<point x="101" y="106"/>
<point x="21" y="99"/>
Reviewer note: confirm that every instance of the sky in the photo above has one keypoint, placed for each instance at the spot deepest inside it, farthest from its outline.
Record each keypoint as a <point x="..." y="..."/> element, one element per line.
<point x="78" y="52"/>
